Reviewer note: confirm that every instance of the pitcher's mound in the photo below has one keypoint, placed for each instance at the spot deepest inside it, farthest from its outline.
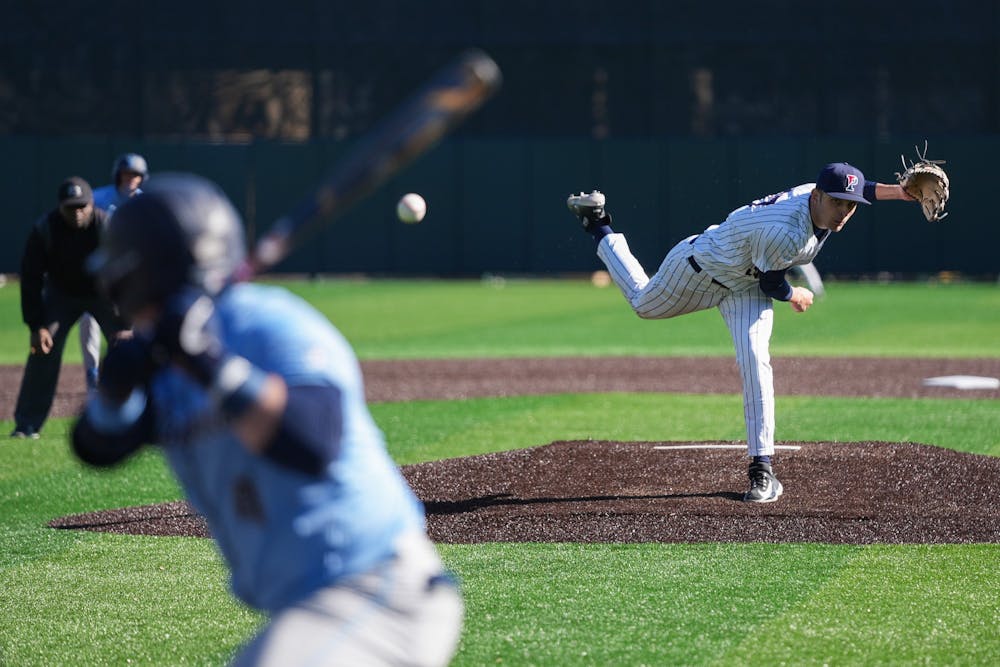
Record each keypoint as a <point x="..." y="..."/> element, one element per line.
<point x="597" y="491"/>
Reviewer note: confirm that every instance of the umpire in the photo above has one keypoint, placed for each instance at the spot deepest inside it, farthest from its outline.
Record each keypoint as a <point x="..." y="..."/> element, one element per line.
<point x="56" y="289"/>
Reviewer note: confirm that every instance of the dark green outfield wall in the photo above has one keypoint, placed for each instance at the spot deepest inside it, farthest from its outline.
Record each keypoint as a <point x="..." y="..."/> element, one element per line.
<point x="679" y="110"/>
<point x="497" y="205"/>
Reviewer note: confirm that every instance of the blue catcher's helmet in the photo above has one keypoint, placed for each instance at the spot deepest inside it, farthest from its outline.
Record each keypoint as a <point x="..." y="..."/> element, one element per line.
<point x="180" y="231"/>
<point x="132" y="162"/>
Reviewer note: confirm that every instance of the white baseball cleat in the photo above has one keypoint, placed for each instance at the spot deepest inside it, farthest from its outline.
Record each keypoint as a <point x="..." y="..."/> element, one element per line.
<point x="764" y="486"/>
<point x="589" y="208"/>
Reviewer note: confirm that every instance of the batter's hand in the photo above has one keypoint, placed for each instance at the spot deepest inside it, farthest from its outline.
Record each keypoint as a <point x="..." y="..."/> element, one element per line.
<point x="801" y="299"/>
<point x="41" y="341"/>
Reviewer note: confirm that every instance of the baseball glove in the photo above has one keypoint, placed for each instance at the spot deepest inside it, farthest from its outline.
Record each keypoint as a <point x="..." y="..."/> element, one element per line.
<point x="926" y="182"/>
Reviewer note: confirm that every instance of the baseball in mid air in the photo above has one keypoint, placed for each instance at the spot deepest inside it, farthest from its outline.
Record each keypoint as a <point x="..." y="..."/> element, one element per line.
<point x="411" y="208"/>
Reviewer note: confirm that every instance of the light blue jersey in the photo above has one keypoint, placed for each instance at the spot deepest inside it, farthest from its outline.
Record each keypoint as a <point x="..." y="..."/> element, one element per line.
<point x="284" y="534"/>
<point x="109" y="198"/>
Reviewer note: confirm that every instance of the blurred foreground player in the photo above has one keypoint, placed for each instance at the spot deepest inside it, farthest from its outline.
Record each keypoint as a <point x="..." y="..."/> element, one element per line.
<point x="258" y="404"/>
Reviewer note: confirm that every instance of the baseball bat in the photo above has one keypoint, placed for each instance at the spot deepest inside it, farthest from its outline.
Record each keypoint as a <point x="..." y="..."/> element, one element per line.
<point x="410" y="130"/>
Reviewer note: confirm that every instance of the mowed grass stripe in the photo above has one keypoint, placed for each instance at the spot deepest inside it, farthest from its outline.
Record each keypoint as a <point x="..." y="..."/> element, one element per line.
<point x="635" y="604"/>
<point x="921" y="604"/>
<point x="442" y="319"/>
<point x="112" y="599"/>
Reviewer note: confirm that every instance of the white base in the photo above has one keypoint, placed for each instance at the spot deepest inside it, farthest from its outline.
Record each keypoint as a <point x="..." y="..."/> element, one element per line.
<point x="963" y="382"/>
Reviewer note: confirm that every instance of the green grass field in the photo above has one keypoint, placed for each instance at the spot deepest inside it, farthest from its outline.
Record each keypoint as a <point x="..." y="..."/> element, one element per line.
<point x="71" y="598"/>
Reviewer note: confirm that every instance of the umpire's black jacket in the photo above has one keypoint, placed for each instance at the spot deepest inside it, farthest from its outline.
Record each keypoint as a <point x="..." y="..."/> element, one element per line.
<point x="55" y="258"/>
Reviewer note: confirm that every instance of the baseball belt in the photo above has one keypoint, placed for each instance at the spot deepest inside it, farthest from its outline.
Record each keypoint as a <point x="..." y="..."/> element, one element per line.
<point x="697" y="269"/>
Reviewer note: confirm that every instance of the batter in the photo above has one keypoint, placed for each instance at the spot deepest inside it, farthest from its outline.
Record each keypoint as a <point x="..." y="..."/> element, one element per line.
<point x="739" y="267"/>
<point x="257" y="403"/>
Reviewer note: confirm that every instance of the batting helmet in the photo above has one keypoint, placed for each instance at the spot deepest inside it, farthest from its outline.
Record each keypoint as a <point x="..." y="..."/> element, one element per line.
<point x="182" y="230"/>
<point x="132" y="162"/>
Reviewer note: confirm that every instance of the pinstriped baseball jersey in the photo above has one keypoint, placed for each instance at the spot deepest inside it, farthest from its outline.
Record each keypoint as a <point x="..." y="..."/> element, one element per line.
<point x="769" y="234"/>
<point x="739" y="267"/>
<point x="720" y="268"/>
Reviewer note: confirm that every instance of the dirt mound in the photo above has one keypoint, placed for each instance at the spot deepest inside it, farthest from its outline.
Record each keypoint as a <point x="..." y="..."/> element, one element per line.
<point x="596" y="491"/>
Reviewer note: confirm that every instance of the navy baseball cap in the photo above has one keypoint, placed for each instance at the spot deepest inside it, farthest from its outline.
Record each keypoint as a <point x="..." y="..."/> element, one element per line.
<point x="75" y="191"/>
<point x="842" y="181"/>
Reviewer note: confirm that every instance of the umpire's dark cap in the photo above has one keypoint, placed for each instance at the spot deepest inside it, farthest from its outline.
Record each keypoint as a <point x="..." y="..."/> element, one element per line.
<point x="842" y="181"/>
<point x="75" y="191"/>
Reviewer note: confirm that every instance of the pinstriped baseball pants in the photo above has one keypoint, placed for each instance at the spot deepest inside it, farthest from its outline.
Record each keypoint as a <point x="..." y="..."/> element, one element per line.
<point x="677" y="289"/>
